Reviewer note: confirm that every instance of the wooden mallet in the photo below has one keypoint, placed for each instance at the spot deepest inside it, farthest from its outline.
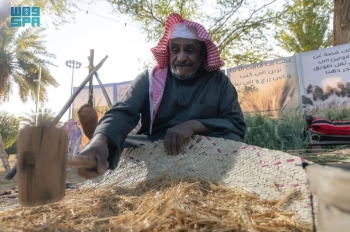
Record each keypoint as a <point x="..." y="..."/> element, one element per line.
<point x="43" y="159"/>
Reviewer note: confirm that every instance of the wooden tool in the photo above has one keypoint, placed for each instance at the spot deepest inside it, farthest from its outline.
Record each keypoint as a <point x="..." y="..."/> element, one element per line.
<point x="43" y="159"/>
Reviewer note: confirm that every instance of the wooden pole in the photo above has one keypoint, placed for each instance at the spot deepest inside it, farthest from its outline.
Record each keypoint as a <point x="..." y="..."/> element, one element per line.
<point x="103" y="90"/>
<point x="37" y="98"/>
<point x="91" y="64"/>
<point x="341" y="22"/>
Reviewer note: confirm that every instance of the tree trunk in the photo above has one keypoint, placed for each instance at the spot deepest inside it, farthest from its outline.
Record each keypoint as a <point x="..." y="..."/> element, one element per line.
<point x="3" y="156"/>
<point x="341" y="22"/>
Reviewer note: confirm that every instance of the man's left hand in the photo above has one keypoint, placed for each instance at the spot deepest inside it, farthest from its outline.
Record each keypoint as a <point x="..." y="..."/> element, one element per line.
<point x="176" y="135"/>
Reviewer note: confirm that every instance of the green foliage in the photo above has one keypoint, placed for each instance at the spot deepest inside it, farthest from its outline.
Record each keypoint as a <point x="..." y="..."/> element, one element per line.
<point x="9" y="125"/>
<point x="239" y="28"/>
<point x="44" y="114"/>
<point x="22" y="51"/>
<point x="12" y="149"/>
<point x="152" y="14"/>
<point x="285" y="132"/>
<point x="281" y="133"/>
<point x="305" y="25"/>
<point x="335" y="113"/>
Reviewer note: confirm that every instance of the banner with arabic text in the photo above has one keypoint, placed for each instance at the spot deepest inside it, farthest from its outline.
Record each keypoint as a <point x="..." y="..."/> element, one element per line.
<point x="326" y="78"/>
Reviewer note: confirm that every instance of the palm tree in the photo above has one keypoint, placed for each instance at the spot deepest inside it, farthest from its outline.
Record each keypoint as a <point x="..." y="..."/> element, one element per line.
<point x="22" y="51"/>
<point x="9" y="125"/>
<point x="44" y="114"/>
<point x="4" y="11"/>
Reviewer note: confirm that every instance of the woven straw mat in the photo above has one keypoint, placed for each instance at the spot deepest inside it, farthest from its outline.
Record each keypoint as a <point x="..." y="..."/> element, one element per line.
<point x="268" y="173"/>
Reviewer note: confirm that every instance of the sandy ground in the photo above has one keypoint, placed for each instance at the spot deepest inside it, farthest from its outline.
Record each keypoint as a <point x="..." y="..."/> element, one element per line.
<point x="5" y="184"/>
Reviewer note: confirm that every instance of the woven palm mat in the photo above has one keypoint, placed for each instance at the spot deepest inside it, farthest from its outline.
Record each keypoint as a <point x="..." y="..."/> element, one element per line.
<point x="269" y="174"/>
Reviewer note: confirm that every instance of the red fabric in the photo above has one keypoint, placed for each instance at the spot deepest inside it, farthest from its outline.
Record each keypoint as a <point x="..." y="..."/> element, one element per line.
<point x="323" y="126"/>
<point x="160" y="53"/>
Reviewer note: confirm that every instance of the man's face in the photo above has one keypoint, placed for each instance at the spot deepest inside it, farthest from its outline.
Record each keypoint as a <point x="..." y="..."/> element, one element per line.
<point x="184" y="56"/>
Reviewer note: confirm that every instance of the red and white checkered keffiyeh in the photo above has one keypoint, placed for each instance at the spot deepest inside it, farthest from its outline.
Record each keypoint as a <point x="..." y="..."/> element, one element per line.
<point x="157" y="75"/>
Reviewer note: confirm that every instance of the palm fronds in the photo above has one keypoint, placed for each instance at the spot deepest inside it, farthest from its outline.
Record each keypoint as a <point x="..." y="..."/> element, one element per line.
<point x="9" y="125"/>
<point x="22" y="52"/>
<point x="44" y="114"/>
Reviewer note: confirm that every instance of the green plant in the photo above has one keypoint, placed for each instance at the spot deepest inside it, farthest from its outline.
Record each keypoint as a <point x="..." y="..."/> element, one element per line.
<point x="283" y="132"/>
<point x="330" y="110"/>
<point x="305" y="26"/>
<point x="9" y="125"/>
<point x="335" y="113"/>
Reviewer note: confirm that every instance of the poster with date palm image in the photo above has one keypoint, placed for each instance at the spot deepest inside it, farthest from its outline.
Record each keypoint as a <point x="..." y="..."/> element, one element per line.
<point x="267" y="87"/>
<point x="326" y="79"/>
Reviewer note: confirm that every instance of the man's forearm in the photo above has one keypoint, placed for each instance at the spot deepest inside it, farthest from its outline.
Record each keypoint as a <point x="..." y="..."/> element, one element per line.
<point x="199" y="128"/>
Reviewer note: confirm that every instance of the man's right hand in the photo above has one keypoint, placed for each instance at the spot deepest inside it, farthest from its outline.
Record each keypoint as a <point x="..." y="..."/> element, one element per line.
<point x="97" y="148"/>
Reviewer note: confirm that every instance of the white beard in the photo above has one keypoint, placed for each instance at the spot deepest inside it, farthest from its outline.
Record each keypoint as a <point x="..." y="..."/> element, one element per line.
<point x="190" y="76"/>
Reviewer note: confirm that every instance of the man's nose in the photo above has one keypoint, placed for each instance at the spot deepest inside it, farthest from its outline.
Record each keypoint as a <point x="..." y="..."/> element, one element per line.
<point x="181" y="56"/>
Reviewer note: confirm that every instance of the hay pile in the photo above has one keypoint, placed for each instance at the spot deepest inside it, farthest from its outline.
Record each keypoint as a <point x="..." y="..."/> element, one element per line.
<point x="163" y="204"/>
<point x="269" y="174"/>
<point x="214" y="185"/>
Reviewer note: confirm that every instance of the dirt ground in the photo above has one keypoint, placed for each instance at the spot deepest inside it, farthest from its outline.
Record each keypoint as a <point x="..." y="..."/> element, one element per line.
<point x="5" y="184"/>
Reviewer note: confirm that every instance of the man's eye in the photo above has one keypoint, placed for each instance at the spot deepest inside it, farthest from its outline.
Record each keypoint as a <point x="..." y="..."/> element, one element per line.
<point x="190" y="50"/>
<point x="175" y="50"/>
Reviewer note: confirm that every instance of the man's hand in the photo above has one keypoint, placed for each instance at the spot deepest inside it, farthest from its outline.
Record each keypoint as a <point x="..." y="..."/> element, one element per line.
<point x="97" y="148"/>
<point x="176" y="135"/>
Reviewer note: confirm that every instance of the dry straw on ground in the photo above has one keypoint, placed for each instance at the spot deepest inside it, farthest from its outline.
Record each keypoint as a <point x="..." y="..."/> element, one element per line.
<point x="162" y="204"/>
<point x="261" y="190"/>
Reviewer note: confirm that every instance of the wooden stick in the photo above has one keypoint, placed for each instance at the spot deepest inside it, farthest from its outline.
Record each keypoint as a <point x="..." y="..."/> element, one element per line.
<point x="91" y="64"/>
<point x="75" y="94"/>
<point x="102" y="87"/>
<point x="104" y="91"/>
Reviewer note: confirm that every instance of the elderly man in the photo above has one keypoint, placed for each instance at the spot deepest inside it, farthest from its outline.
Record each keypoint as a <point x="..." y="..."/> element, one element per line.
<point x="184" y="94"/>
